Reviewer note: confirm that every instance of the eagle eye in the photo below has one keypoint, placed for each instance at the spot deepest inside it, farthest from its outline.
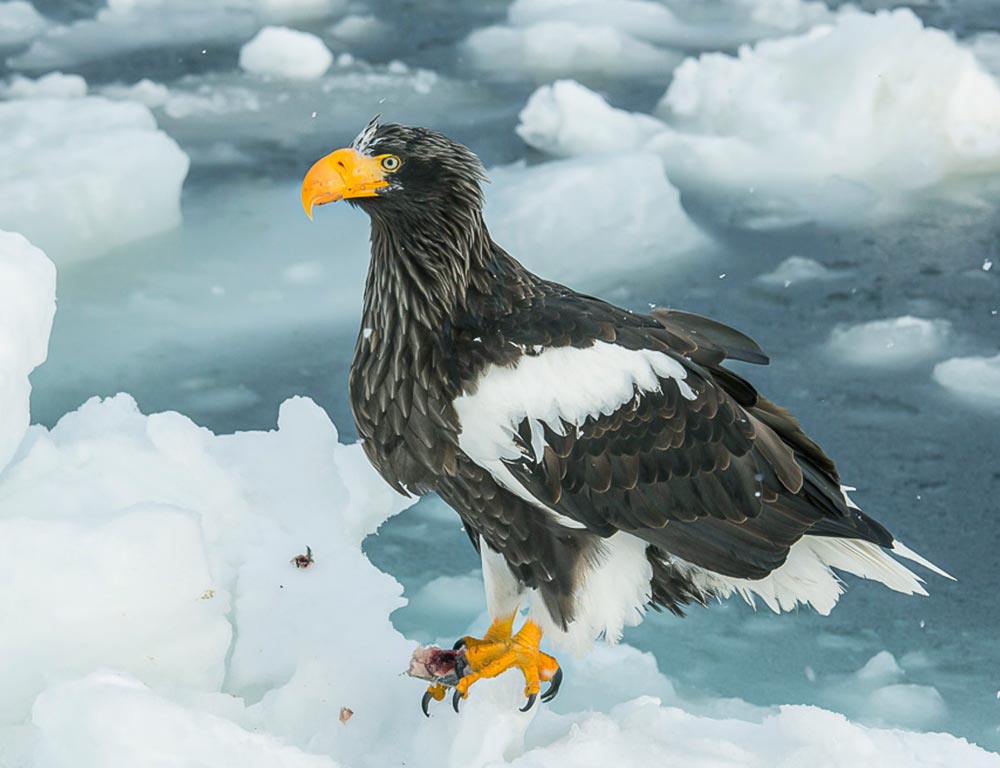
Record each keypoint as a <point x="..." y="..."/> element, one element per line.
<point x="391" y="163"/>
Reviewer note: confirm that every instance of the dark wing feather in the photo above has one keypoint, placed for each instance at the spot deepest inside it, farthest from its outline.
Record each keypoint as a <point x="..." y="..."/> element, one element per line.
<point x="727" y="480"/>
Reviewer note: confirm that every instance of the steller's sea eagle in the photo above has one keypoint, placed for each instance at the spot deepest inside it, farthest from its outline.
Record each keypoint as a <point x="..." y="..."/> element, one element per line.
<point x="601" y="460"/>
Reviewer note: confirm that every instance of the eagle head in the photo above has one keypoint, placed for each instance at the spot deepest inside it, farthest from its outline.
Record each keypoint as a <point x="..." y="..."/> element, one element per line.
<point x="397" y="171"/>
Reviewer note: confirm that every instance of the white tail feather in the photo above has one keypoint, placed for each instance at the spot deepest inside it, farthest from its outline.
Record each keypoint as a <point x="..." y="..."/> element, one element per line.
<point x="807" y="576"/>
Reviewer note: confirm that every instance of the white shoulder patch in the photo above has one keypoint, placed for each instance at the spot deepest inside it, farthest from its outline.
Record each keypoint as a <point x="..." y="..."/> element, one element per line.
<point x="561" y="384"/>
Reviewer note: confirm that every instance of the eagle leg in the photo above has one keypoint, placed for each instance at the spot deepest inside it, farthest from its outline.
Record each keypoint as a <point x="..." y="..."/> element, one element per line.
<point x="499" y="651"/>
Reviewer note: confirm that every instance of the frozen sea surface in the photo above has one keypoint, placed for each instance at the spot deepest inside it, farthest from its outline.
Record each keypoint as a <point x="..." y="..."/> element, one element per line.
<point x="246" y="303"/>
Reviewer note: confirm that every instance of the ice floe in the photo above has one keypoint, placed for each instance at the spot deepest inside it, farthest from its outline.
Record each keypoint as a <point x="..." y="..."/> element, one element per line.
<point x="27" y="305"/>
<point x="897" y="341"/>
<point x="54" y="85"/>
<point x="796" y="269"/>
<point x="580" y="218"/>
<point x="79" y="176"/>
<point x="848" y="121"/>
<point x="975" y="378"/>
<point x="284" y="52"/>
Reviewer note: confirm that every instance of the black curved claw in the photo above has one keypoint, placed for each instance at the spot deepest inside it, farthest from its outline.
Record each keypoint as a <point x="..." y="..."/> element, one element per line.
<point x="457" y="697"/>
<point x="425" y="703"/>
<point x="459" y="644"/>
<point x="531" y="702"/>
<point x="553" y="688"/>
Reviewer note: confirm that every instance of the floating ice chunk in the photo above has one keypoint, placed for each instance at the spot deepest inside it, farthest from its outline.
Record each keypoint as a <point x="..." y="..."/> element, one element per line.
<point x="973" y="378"/>
<point x="551" y="49"/>
<point x="80" y="725"/>
<point x="27" y="306"/>
<point x="284" y="52"/>
<point x="896" y="341"/>
<point x="54" y="85"/>
<point x="20" y="23"/>
<point x="290" y="11"/>
<point x="567" y="119"/>
<point x="118" y="178"/>
<point x="795" y="269"/>
<point x="841" y="122"/>
<point x="723" y="24"/>
<point x="880" y="668"/>
<point x="152" y="95"/>
<point x="563" y="219"/>
<point x="358" y="28"/>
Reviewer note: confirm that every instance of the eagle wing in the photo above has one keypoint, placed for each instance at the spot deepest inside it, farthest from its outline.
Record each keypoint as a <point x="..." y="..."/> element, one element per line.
<point x="615" y="421"/>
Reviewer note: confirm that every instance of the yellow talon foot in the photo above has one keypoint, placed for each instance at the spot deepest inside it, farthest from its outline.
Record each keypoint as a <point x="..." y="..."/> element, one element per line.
<point x="499" y="651"/>
<point x="435" y="692"/>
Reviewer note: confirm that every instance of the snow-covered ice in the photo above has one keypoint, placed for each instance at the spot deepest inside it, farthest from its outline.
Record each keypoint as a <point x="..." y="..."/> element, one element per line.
<point x="584" y="217"/>
<point x="54" y="85"/>
<point x="27" y="305"/>
<point x="79" y="176"/>
<point x="847" y="121"/>
<point x="975" y="378"/>
<point x="847" y="117"/>
<point x="284" y="52"/>
<point x="897" y="341"/>
<point x="566" y="118"/>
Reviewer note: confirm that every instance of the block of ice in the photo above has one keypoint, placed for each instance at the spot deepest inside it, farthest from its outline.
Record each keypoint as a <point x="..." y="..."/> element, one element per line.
<point x="976" y="379"/>
<point x="563" y="48"/>
<point x="153" y="95"/>
<point x="80" y="176"/>
<point x="27" y="306"/>
<point x="897" y="341"/>
<point x="843" y="121"/>
<point x="55" y="85"/>
<point x="284" y="52"/>
<point x="20" y="23"/>
<point x="128" y="26"/>
<point x="584" y="217"/>
<point x="796" y="269"/>
<point x="566" y="118"/>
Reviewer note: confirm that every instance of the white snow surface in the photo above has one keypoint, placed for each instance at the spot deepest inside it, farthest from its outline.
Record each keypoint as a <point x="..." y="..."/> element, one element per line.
<point x="160" y="622"/>
<point x="897" y="341"/>
<point x="27" y="306"/>
<point x="850" y="120"/>
<point x="284" y="52"/>
<point x="975" y="378"/>
<point x="79" y="176"/>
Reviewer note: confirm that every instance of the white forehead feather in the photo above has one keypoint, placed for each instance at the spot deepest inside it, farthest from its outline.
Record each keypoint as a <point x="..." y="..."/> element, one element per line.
<point x="366" y="139"/>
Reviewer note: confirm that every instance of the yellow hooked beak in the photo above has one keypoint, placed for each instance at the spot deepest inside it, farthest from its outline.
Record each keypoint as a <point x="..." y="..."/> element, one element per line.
<point x="340" y="175"/>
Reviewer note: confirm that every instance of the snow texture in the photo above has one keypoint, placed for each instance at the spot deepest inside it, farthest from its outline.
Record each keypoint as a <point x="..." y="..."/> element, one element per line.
<point x="159" y="620"/>
<point x="564" y="218"/>
<point x="974" y="378"/>
<point x="284" y="52"/>
<point x="847" y="121"/>
<point x="79" y="176"/>
<point x="27" y="306"/>
<point x="897" y="341"/>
